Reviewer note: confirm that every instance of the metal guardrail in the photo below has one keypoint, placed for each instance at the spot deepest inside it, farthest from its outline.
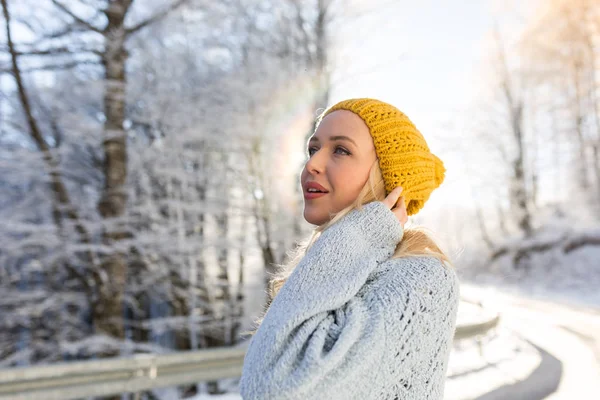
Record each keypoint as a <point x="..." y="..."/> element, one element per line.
<point x="473" y="330"/>
<point x="143" y="371"/>
<point x="113" y="376"/>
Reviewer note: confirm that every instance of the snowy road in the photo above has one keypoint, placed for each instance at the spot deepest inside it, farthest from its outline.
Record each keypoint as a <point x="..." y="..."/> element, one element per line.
<point x="567" y="337"/>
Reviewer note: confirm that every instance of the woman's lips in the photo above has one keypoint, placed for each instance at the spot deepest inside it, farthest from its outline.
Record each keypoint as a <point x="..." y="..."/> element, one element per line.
<point x="313" y="195"/>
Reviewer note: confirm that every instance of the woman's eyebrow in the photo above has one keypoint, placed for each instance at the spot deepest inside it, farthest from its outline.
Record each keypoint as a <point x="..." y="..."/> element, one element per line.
<point x="333" y="138"/>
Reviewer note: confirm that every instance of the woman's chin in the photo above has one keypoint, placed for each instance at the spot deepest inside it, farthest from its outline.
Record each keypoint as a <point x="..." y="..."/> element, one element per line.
<point x="313" y="217"/>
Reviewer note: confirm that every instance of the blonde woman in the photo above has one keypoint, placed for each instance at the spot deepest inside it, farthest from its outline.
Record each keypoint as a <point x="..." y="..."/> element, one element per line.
<point x="366" y="310"/>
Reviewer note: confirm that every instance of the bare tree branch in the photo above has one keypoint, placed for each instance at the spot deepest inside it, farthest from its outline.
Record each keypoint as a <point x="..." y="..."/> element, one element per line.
<point x="15" y="125"/>
<point x="52" y="51"/>
<point x="301" y="24"/>
<point x="73" y="27"/>
<point x="28" y="22"/>
<point x="68" y="29"/>
<point x="50" y="67"/>
<point x="75" y="17"/>
<point x="565" y="243"/>
<point x="584" y="240"/>
<point x="156" y="17"/>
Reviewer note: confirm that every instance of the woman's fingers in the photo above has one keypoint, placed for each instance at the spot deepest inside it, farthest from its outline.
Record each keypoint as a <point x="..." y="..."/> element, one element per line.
<point x="397" y="205"/>
<point x="392" y="198"/>
<point x="402" y="209"/>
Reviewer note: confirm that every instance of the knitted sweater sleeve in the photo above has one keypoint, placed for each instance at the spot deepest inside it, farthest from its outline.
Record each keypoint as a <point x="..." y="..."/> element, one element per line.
<point x="319" y="338"/>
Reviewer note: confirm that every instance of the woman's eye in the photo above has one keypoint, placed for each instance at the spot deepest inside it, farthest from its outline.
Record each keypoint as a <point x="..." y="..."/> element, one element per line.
<point x="344" y="151"/>
<point x="338" y="150"/>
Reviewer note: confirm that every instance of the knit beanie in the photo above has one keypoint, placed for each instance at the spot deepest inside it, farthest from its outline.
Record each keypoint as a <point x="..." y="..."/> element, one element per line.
<point x="404" y="157"/>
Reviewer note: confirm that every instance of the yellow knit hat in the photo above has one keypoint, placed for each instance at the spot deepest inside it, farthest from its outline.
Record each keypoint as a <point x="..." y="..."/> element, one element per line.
<point x="404" y="157"/>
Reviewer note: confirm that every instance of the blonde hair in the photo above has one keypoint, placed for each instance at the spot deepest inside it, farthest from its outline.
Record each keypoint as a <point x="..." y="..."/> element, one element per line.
<point x="416" y="242"/>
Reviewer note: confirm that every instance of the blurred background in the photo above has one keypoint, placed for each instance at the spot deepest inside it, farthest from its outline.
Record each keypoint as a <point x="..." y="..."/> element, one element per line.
<point x="150" y="154"/>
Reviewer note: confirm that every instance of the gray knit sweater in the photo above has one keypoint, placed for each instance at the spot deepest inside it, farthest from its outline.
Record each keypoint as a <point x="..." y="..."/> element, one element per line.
<point x="351" y="323"/>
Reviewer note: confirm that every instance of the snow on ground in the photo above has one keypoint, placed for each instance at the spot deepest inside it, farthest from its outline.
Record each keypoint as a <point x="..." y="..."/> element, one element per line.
<point x="567" y="335"/>
<point x="502" y="360"/>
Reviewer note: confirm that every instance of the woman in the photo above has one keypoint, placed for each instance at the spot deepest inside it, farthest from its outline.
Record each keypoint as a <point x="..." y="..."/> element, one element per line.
<point x="368" y="310"/>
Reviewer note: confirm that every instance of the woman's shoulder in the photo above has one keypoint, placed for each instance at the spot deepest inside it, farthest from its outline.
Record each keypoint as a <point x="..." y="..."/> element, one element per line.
<point x="427" y="275"/>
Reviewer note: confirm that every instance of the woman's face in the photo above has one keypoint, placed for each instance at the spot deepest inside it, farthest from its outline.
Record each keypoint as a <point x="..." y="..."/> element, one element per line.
<point x="341" y="153"/>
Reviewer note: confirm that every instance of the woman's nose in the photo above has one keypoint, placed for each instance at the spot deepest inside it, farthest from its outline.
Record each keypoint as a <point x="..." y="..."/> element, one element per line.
<point x="316" y="163"/>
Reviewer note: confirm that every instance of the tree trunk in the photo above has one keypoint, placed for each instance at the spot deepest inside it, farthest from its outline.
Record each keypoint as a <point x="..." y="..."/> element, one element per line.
<point x="482" y="228"/>
<point x="519" y="196"/>
<point x="108" y="312"/>
<point x="595" y="107"/>
<point x="596" y="155"/>
<point x="582" y="173"/>
<point x="239" y="297"/>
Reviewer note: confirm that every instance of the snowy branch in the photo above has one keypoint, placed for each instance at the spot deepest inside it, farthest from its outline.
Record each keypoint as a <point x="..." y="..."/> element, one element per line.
<point x="80" y="21"/>
<point x="156" y="17"/>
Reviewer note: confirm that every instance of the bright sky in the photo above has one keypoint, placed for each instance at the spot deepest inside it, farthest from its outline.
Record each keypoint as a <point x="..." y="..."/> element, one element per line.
<point x="419" y="55"/>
